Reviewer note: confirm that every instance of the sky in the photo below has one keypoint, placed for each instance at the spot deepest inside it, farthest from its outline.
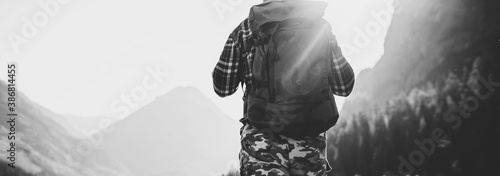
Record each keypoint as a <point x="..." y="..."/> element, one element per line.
<point x="109" y="58"/>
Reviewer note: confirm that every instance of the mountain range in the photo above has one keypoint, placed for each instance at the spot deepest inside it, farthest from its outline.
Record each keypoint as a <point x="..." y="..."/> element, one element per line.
<point x="44" y="147"/>
<point x="179" y="133"/>
<point x="439" y="76"/>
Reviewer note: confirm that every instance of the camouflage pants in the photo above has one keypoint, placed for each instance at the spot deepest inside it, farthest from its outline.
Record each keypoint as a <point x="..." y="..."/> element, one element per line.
<point x="266" y="154"/>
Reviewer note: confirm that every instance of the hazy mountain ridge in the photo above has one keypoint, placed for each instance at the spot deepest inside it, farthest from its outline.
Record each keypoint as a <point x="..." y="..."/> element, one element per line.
<point x="179" y="133"/>
<point x="44" y="147"/>
<point x="437" y="54"/>
<point x="194" y="136"/>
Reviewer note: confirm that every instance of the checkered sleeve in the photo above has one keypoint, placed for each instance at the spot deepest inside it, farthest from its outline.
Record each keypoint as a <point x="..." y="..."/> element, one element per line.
<point x="226" y="76"/>
<point x="343" y="75"/>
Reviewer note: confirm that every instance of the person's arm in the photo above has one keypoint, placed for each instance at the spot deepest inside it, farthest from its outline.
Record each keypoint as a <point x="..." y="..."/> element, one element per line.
<point x="343" y="76"/>
<point x="226" y="73"/>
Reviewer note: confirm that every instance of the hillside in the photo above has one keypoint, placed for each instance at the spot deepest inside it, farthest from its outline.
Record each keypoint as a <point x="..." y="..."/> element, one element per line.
<point x="45" y="148"/>
<point x="427" y="39"/>
<point x="439" y="75"/>
<point x="180" y="133"/>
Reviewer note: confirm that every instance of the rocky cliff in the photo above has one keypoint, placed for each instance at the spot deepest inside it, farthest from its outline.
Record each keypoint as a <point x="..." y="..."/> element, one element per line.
<point x="430" y="106"/>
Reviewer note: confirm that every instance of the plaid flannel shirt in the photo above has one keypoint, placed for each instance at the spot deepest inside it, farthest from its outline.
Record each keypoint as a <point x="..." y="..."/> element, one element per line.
<point x="233" y="67"/>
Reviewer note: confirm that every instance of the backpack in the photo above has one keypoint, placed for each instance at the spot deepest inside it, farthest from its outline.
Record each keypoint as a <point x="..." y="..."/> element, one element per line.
<point x="290" y="92"/>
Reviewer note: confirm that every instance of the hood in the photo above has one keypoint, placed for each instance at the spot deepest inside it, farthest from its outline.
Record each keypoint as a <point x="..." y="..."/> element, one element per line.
<point x="280" y="10"/>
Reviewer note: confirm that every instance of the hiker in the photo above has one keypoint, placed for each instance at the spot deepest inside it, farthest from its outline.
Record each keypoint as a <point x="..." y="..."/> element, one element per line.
<point x="291" y="65"/>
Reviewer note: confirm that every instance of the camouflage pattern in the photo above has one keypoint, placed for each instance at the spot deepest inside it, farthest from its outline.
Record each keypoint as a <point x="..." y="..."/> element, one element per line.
<point x="268" y="154"/>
